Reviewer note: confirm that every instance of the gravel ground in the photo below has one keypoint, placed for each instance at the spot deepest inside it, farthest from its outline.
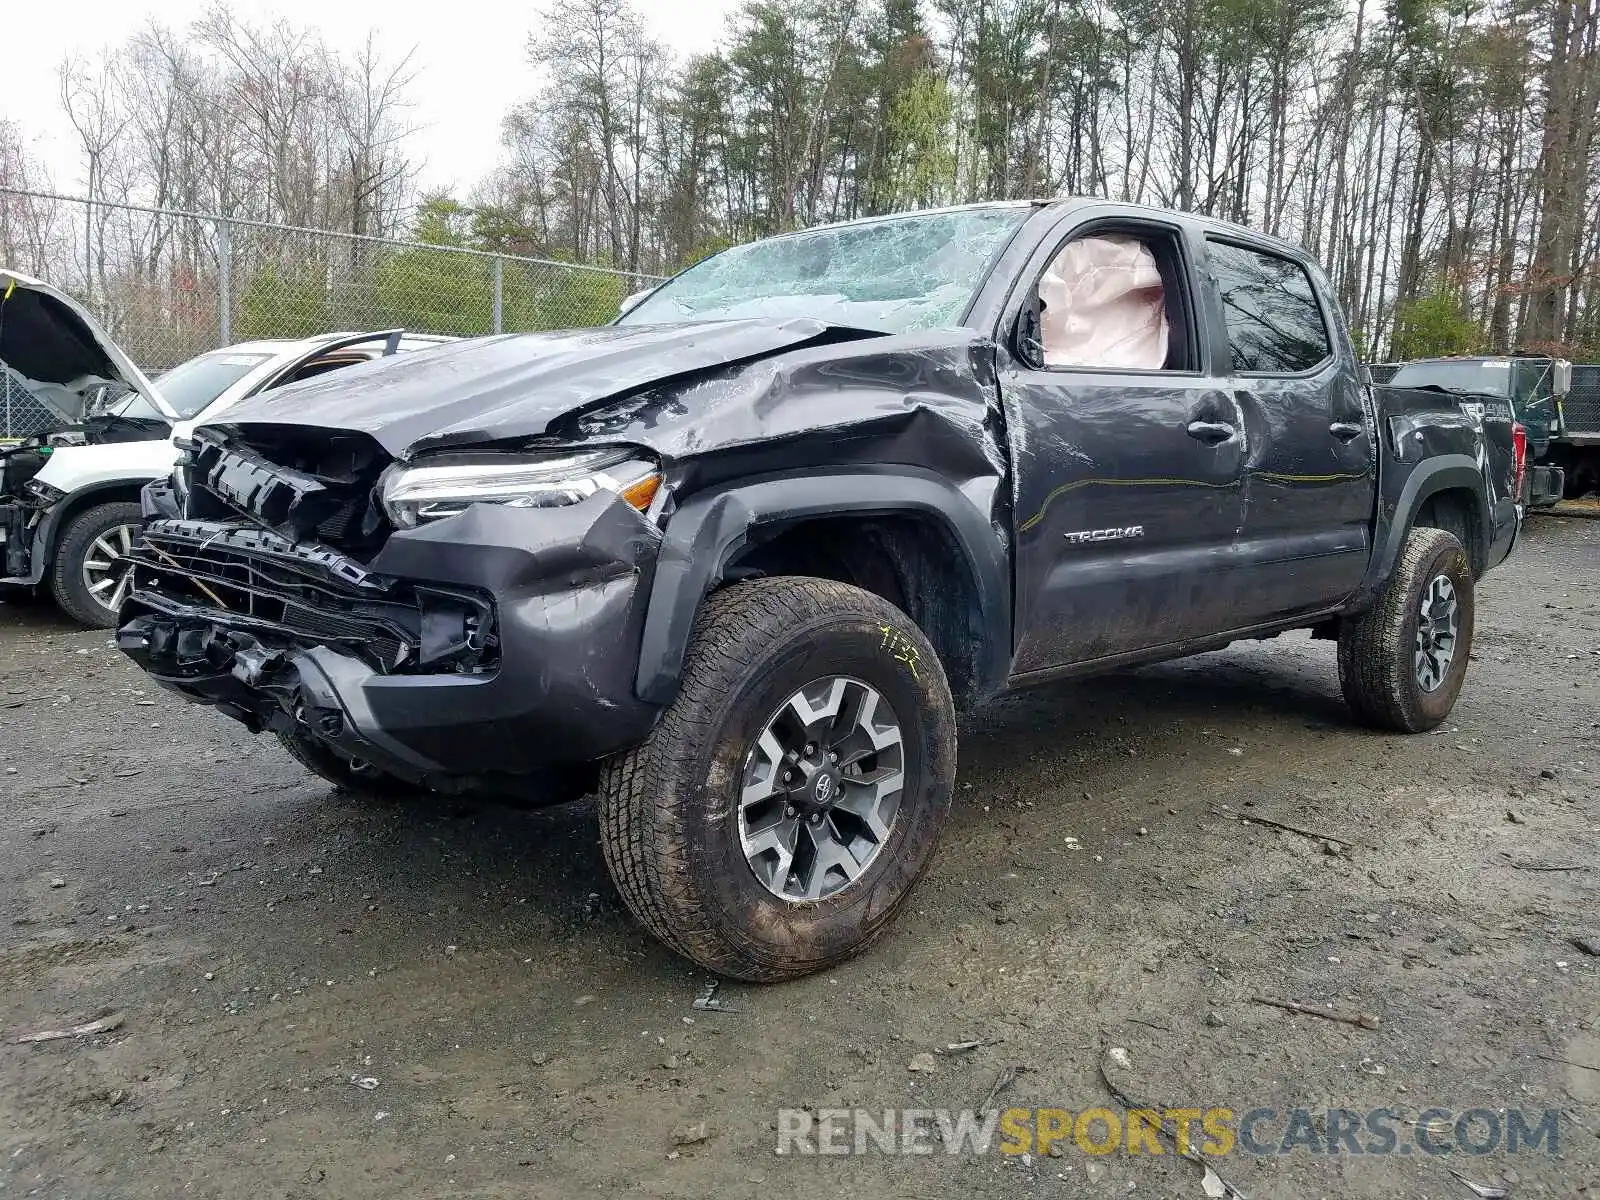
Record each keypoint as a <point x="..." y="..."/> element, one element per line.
<point x="270" y="946"/>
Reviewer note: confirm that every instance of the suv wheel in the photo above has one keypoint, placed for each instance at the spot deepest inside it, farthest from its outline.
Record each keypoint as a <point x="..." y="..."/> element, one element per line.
<point x="1402" y="662"/>
<point x="91" y="572"/>
<point x="792" y="793"/>
<point x="352" y="775"/>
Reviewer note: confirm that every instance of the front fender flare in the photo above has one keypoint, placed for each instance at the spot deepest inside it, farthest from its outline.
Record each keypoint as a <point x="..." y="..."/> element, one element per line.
<point x="713" y="526"/>
<point x="48" y="532"/>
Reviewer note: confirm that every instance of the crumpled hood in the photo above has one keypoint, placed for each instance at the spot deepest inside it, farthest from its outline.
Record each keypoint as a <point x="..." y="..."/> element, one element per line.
<point x="63" y="356"/>
<point x="514" y="386"/>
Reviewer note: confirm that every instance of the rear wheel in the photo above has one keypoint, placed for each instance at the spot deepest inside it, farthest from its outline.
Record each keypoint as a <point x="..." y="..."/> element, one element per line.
<point x="1402" y="662"/>
<point x="91" y="572"/>
<point x="790" y="797"/>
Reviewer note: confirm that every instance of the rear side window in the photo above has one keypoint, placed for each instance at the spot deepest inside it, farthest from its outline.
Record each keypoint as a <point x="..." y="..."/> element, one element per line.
<point x="321" y="366"/>
<point x="1275" y="324"/>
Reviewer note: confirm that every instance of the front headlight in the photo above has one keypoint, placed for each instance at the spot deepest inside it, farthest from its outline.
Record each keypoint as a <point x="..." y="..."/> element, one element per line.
<point x="446" y="486"/>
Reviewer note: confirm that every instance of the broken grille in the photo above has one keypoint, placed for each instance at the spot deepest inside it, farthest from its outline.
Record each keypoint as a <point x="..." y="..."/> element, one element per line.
<point x="310" y="596"/>
<point x="306" y="488"/>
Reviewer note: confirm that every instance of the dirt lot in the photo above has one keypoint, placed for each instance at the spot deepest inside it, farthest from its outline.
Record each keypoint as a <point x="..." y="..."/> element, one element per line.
<point x="267" y="942"/>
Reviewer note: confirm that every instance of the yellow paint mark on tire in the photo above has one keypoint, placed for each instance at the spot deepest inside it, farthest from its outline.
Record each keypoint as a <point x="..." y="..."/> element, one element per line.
<point x="901" y="648"/>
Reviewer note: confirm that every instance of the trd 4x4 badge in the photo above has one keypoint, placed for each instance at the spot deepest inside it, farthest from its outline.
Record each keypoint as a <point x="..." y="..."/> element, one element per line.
<point x="1106" y="535"/>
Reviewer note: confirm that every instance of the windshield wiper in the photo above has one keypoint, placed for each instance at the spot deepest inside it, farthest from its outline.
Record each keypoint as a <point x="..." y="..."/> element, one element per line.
<point x="1448" y="391"/>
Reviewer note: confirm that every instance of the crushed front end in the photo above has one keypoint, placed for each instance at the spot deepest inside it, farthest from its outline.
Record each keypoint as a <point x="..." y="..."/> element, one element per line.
<point x="483" y="643"/>
<point x="24" y="503"/>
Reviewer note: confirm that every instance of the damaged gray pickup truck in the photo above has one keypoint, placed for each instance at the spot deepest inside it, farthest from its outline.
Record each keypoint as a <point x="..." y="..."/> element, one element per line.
<point x="744" y="554"/>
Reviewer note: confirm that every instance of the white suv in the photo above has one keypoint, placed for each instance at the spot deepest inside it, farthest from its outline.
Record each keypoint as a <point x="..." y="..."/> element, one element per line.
<point x="69" y="501"/>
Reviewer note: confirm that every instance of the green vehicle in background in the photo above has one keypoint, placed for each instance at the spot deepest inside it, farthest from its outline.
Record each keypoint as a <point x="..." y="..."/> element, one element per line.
<point x="1562" y="429"/>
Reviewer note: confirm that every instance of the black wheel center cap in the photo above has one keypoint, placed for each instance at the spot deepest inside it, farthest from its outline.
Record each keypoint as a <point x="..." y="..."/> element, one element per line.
<point x="824" y="788"/>
<point x="818" y="791"/>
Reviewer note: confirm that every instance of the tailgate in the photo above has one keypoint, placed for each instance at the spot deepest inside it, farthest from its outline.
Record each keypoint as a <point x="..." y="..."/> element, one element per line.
<point x="1495" y="419"/>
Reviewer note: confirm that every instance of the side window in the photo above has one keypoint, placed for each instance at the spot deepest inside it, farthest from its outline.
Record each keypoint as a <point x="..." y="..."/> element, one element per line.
<point x="321" y="366"/>
<point x="1114" y="301"/>
<point x="1275" y="324"/>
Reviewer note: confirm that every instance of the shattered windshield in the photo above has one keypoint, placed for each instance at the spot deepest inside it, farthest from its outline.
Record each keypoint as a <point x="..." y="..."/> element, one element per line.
<point x="897" y="274"/>
<point x="1490" y="377"/>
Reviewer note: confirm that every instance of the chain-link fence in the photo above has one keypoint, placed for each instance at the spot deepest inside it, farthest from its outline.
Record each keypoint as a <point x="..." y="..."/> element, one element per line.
<point x="20" y="413"/>
<point x="168" y="285"/>
<point x="1580" y="411"/>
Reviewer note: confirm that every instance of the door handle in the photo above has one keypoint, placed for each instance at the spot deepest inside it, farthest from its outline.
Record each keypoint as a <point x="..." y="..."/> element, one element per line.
<point x="1212" y="433"/>
<point x="1346" y="431"/>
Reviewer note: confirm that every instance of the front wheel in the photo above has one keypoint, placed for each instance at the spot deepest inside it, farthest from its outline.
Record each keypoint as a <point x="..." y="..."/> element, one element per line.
<point x="792" y="793"/>
<point x="1403" y="661"/>
<point x="91" y="572"/>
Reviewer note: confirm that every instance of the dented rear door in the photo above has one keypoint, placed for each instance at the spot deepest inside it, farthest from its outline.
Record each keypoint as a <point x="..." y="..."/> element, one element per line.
<point x="1310" y="487"/>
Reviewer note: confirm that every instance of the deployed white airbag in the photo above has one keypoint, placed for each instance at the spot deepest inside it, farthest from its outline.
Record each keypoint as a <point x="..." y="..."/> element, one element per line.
<point x="1102" y="304"/>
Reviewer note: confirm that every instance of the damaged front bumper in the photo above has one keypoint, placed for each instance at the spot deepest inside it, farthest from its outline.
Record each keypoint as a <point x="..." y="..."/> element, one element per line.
<point x="470" y="650"/>
<point x="28" y="514"/>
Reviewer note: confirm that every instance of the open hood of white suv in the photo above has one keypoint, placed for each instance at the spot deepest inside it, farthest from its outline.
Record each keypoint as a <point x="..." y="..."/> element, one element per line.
<point x="63" y="356"/>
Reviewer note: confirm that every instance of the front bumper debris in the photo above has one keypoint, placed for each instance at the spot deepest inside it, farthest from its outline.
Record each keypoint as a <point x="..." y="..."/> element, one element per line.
<point x="476" y="648"/>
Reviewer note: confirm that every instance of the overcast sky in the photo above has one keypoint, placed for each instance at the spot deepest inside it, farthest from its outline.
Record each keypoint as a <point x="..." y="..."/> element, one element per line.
<point x="470" y="56"/>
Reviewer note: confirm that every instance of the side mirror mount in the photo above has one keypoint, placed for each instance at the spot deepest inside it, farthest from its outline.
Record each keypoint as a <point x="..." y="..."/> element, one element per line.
<point x="1560" y="378"/>
<point x="1026" y="341"/>
<point x="632" y="302"/>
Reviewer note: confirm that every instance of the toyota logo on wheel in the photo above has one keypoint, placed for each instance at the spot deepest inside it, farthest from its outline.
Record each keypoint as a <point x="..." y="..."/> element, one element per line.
<point x="823" y="790"/>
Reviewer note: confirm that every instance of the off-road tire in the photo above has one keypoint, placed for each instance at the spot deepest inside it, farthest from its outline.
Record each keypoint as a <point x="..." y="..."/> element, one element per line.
<point x="71" y="594"/>
<point x="366" y="782"/>
<point x="1377" y="648"/>
<point x="669" y="807"/>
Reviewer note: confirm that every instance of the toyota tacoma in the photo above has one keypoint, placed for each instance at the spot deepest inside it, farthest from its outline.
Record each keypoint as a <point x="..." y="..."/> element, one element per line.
<point x="744" y="554"/>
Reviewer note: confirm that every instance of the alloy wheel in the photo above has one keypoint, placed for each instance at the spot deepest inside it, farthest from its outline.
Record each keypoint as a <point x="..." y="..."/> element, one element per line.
<point x="1438" y="620"/>
<point x="108" y="569"/>
<point x="821" y="788"/>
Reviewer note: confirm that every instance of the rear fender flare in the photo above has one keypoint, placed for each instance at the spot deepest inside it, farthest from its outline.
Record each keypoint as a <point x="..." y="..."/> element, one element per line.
<point x="711" y="527"/>
<point x="1439" y="473"/>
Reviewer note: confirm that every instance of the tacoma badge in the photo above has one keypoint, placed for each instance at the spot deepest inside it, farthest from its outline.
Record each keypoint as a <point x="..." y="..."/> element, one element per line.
<point x="1106" y="535"/>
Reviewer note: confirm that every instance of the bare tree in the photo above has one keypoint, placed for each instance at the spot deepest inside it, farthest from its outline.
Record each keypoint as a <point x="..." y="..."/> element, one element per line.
<point x="90" y="98"/>
<point x="368" y="110"/>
